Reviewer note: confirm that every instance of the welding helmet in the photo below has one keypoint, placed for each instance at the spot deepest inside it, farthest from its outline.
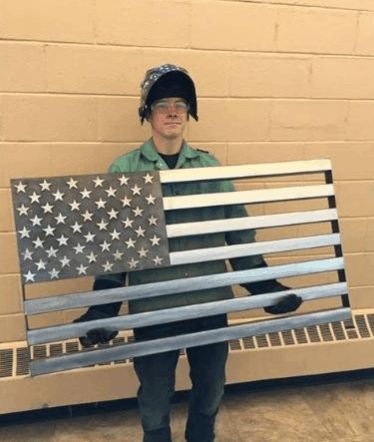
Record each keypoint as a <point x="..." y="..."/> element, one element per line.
<point x="164" y="81"/>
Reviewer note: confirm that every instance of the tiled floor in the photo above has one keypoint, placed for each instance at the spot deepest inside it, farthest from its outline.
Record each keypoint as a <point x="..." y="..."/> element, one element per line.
<point x="328" y="409"/>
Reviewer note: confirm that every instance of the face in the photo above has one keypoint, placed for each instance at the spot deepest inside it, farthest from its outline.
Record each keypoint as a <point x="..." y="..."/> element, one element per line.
<point x="169" y="117"/>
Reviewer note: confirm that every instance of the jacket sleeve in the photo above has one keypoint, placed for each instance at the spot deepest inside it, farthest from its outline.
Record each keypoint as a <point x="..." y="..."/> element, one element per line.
<point x="103" y="282"/>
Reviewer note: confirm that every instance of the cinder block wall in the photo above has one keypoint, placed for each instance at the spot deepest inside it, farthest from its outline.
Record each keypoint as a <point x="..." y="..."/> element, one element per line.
<point x="277" y="80"/>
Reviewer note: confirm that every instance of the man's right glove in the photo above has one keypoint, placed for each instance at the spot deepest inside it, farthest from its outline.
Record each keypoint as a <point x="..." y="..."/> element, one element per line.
<point x="100" y="335"/>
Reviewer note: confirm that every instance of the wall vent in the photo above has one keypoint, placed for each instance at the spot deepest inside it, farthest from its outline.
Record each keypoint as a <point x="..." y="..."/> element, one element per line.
<point x="14" y="361"/>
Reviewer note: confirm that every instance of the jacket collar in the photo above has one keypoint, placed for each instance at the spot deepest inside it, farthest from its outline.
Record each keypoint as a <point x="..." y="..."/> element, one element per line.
<point x="148" y="150"/>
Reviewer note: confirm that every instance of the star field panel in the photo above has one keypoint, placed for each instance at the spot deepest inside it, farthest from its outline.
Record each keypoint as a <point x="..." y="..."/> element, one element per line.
<point x="88" y="225"/>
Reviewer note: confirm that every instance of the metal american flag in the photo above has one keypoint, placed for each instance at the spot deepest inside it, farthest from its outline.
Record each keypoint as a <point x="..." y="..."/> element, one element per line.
<point x="86" y="225"/>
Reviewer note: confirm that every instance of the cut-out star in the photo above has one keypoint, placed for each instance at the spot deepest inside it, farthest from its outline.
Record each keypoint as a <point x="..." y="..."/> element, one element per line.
<point x="111" y="192"/>
<point x="140" y="232"/>
<point x="105" y="246"/>
<point x="47" y="208"/>
<point x="150" y="199"/>
<point x="27" y="254"/>
<point x="89" y="237"/>
<point x="98" y="182"/>
<point x="152" y="220"/>
<point x="78" y="248"/>
<point x="138" y="211"/>
<point x="72" y="183"/>
<point x="113" y="214"/>
<point x="45" y="185"/>
<point x="102" y="225"/>
<point x="29" y="276"/>
<point x="91" y="257"/>
<point x="62" y="241"/>
<point x="117" y="255"/>
<point x="74" y="205"/>
<point x="114" y="234"/>
<point x="38" y="243"/>
<point x="76" y="227"/>
<point x="130" y="243"/>
<point x="128" y="222"/>
<point x="41" y="264"/>
<point x="87" y="216"/>
<point x="82" y="270"/>
<point x="54" y="273"/>
<point x="25" y="233"/>
<point x="36" y="221"/>
<point x="142" y="252"/>
<point x="52" y="252"/>
<point x="65" y="261"/>
<point x="58" y="195"/>
<point x="123" y="180"/>
<point x="155" y="240"/>
<point x="60" y="218"/>
<point x="157" y="260"/>
<point x="85" y="193"/>
<point x="100" y="203"/>
<point x="49" y="230"/>
<point x="148" y="178"/>
<point x="126" y="201"/>
<point x="21" y="187"/>
<point x="136" y="190"/>
<point x="34" y="198"/>
<point x="23" y="210"/>
<point x="132" y="263"/>
<point x="107" y="266"/>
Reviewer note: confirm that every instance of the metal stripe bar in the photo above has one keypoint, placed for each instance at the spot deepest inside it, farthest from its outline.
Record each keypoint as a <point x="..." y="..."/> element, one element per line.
<point x="89" y="357"/>
<point x="247" y="197"/>
<point x="149" y="290"/>
<point x="252" y="222"/>
<point x="61" y="332"/>
<point x="256" y="248"/>
<point x="244" y="171"/>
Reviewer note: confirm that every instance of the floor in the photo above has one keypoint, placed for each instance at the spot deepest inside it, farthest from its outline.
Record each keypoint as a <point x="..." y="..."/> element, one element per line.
<point x="318" y="409"/>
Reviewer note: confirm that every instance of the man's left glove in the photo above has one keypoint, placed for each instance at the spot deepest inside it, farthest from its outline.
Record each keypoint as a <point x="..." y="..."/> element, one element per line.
<point x="100" y="335"/>
<point x="289" y="303"/>
<point x="96" y="335"/>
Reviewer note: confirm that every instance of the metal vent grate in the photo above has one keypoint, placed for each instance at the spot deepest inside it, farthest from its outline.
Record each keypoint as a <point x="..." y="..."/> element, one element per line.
<point x="261" y="341"/>
<point x="361" y="324"/>
<point x="6" y="363"/>
<point x="22" y="361"/>
<point x="235" y="344"/>
<point x="15" y="361"/>
<point x="300" y="334"/>
<point x="275" y="339"/>
<point x="287" y="337"/>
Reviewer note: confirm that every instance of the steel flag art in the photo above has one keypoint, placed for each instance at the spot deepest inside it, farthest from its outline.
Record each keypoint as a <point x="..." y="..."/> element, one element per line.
<point x="88" y="225"/>
<point x="75" y="226"/>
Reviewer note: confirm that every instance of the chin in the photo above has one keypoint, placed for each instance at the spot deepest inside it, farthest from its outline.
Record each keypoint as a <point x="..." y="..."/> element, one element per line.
<point x="172" y="136"/>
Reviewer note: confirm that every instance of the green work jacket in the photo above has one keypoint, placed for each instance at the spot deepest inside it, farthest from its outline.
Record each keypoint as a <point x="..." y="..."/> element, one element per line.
<point x="146" y="158"/>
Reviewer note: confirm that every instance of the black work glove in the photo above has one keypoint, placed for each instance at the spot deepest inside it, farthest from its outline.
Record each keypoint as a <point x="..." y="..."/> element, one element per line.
<point x="289" y="303"/>
<point x="100" y="335"/>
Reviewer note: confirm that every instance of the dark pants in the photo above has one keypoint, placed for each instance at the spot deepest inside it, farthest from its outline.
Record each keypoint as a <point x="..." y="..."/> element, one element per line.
<point x="156" y="374"/>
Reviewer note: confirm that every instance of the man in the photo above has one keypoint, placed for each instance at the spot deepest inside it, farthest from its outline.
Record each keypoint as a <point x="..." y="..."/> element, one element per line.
<point x="168" y="98"/>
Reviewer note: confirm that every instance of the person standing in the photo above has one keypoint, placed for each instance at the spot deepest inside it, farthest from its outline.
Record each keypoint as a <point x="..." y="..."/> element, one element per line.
<point x="168" y="99"/>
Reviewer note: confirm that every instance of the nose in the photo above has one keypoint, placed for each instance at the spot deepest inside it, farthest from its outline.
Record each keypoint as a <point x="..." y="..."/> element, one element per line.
<point x="172" y="112"/>
<point x="172" y="109"/>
